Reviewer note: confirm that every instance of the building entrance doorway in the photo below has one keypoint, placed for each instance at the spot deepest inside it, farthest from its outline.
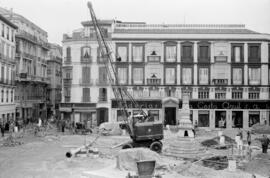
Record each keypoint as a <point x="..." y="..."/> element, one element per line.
<point x="220" y="121"/>
<point x="237" y="119"/>
<point x="170" y="116"/>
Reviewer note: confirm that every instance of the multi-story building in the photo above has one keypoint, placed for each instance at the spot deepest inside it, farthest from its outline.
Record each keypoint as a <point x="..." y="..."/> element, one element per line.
<point x="54" y="73"/>
<point x="7" y="70"/>
<point x="31" y="79"/>
<point x="224" y="68"/>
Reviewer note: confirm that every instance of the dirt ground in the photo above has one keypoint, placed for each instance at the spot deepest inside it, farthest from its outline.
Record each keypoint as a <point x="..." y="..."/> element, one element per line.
<point x="42" y="157"/>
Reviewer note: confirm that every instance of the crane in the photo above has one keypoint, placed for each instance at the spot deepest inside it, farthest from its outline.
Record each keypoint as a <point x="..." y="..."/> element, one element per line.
<point x="142" y="133"/>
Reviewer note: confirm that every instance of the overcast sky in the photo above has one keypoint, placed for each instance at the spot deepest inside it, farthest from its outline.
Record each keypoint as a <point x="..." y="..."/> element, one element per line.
<point x="63" y="16"/>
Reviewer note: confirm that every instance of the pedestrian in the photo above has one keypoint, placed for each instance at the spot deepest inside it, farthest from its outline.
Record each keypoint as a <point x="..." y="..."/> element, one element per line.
<point x="240" y="133"/>
<point x="248" y="138"/>
<point x="265" y="142"/>
<point x="2" y="129"/>
<point x="63" y="125"/>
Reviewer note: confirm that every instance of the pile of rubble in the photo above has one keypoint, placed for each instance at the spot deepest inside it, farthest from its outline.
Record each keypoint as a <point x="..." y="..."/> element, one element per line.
<point x="11" y="141"/>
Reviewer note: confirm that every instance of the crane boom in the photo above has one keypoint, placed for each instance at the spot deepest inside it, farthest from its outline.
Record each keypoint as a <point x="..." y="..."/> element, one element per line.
<point x="120" y="92"/>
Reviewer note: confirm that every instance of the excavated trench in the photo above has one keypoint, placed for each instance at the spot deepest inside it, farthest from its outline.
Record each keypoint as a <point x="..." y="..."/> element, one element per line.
<point x="216" y="162"/>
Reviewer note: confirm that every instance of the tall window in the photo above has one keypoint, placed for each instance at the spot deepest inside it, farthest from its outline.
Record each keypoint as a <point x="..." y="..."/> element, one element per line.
<point x="102" y="75"/>
<point x="137" y="53"/>
<point x="3" y="30"/>
<point x="2" y="96"/>
<point x="122" y="75"/>
<point x="86" y="74"/>
<point x="187" y="76"/>
<point x="122" y="54"/>
<point x="254" y="75"/>
<point x="203" y="76"/>
<point x="2" y="73"/>
<point x="137" y="75"/>
<point x="187" y="51"/>
<point x="204" y="52"/>
<point x="170" y="75"/>
<point x="68" y="54"/>
<point x="237" y="76"/>
<point x="7" y="96"/>
<point x="12" y="35"/>
<point x="170" y="53"/>
<point x="86" y="95"/>
<point x="102" y="94"/>
<point x="254" y="53"/>
<point x="86" y="52"/>
<point x="237" y="54"/>
<point x="7" y="33"/>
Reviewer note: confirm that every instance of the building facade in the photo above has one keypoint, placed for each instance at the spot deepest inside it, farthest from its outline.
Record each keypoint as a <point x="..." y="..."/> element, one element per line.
<point x="224" y="68"/>
<point x="54" y="73"/>
<point x="31" y="68"/>
<point x="7" y="70"/>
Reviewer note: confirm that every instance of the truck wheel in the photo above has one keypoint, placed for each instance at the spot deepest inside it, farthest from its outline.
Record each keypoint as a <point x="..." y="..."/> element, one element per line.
<point x="156" y="146"/>
<point x="127" y="146"/>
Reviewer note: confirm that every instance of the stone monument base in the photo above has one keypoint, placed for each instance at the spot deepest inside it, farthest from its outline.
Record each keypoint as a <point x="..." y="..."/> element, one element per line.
<point x="185" y="133"/>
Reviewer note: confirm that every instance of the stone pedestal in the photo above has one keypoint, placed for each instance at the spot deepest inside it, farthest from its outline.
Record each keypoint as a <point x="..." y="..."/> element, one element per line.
<point x="185" y="125"/>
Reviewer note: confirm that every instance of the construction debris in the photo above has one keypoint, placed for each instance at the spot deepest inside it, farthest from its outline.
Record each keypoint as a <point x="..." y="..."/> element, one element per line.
<point x="85" y="149"/>
<point x="107" y="129"/>
<point x="259" y="165"/>
<point x="11" y="141"/>
<point x="215" y="142"/>
<point x="127" y="159"/>
<point x="216" y="162"/>
<point x="260" y="129"/>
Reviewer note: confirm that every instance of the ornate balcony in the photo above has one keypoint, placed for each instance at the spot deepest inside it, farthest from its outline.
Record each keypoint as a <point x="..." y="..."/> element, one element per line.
<point x="86" y="60"/>
<point x="153" y="81"/>
<point x="220" y="81"/>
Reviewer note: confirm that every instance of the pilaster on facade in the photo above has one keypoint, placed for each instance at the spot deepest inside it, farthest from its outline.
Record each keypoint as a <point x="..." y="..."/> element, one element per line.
<point x="162" y="57"/>
<point x="229" y="119"/>
<point x="178" y="92"/>
<point x="212" y="93"/>
<point x="195" y="52"/>
<point x="178" y="72"/>
<point x="130" y="74"/>
<point x="264" y="74"/>
<point x="245" y="53"/>
<point x="130" y="91"/>
<point x="195" y="93"/>
<point x="245" y="92"/>
<point x="229" y="93"/>
<point x="264" y="52"/>
<point x="212" y="119"/>
<point x="245" y="121"/>
<point x="195" y="74"/>
<point x="245" y="74"/>
<point x="212" y="54"/>
<point x="264" y="93"/>
<point x="146" y="92"/>
<point x="178" y="51"/>
<point x="162" y="91"/>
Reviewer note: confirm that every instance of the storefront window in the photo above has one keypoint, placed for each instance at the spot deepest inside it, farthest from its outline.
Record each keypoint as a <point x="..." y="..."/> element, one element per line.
<point x="203" y="119"/>
<point x="120" y="115"/>
<point x="237" y="119"/>
<point x="220" y="121"/>
<point x="254" y="118"/>
<point x="155" y="114"/>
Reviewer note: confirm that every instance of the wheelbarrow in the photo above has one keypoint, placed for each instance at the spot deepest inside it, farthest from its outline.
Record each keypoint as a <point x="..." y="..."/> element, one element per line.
<point x="145" y="169"/>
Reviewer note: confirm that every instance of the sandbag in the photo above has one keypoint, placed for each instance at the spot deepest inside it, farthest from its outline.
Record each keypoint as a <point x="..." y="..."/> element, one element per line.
<point x="127" y="158"/>
<point x="110" y="128"/>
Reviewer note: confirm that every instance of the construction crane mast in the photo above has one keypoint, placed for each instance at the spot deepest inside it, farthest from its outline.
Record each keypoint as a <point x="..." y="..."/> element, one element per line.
<point x="137" y="133"/>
